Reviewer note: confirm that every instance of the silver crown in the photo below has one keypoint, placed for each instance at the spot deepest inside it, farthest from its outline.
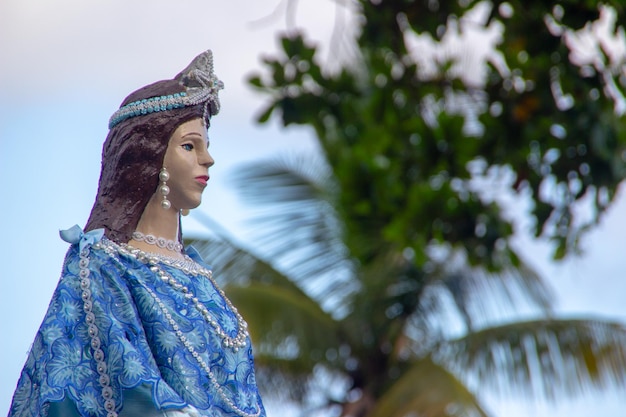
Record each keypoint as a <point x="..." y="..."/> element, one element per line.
<point x="201" y="86"/>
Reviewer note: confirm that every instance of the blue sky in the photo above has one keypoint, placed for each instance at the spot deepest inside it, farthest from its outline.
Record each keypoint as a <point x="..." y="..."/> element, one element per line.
<point x="65" y="67"/>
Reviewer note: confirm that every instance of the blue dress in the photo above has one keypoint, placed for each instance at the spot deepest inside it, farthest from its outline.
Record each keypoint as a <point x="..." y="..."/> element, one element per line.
<point x="131" y="330"/>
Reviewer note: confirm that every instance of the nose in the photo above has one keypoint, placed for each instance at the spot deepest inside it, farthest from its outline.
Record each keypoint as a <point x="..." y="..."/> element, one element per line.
<point x="205" y="159"/>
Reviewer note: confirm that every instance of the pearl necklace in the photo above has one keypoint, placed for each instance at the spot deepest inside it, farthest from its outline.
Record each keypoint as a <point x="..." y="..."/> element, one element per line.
<point x="161" y="242"/>
<point x="193" y="268"/>
<point x="189" y="266"/>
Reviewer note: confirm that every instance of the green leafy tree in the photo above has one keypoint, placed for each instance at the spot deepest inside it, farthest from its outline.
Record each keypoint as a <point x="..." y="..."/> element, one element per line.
<point x="387" y="265"/>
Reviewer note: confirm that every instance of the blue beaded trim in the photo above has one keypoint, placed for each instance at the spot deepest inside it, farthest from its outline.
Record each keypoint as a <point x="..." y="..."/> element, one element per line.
<point x="147" y="106"/>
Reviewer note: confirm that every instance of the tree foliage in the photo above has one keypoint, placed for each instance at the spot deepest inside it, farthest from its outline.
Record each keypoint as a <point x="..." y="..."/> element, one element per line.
<point x="386" y="337"/>
<point x="402" y="154"/>
<point x="386" y="267"/>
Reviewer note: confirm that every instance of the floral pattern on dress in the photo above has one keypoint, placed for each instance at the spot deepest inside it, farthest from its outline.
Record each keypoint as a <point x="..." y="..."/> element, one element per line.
<point x="139" y="344"/>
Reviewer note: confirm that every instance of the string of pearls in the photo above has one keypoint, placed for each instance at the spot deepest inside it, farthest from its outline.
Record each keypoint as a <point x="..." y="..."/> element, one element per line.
<point x="164" y="190"/>
<point x="201" y="362"/>
<point x="237" y="342"/>
<point x="190" y="267"/>
<point x="94" y="334"/>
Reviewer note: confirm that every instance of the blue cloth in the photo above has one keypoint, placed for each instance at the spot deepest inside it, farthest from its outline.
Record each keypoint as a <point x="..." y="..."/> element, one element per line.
<point x="75" y="235"/>
<point x="137" y="403"/>
<point x="140" y="347"/>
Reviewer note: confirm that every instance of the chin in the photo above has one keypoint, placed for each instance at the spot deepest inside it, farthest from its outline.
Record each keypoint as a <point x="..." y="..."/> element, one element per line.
<point x="189" y="203"/>
<point x="193" y="205"/>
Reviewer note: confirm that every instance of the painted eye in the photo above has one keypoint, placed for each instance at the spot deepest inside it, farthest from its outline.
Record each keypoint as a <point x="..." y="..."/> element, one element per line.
<point x="187" y="147"/>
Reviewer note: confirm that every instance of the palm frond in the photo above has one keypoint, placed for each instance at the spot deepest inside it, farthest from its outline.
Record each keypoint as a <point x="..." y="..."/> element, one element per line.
<point x="234" y="265"/>
<point x="390" y="291"/>
<point x="437" y="301"/>
<point x="478" y="293"/>
<point x="284" y="323"/>
<point x="428" y="390"/>
<point x="542" y="358"/>
<point x="309" y="179"/>
<point x="291" y="333"/>
<point x="297" y="225"/>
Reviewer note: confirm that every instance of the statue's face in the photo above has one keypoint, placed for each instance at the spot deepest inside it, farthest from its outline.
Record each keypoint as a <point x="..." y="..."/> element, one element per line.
<point x="187" y="160"/>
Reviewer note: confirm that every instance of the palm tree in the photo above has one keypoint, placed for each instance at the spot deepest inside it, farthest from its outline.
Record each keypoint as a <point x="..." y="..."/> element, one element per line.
<point x="348" y="322"/>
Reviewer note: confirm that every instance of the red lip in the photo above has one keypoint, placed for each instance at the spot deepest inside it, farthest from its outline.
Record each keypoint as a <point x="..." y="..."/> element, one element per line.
<point x="202" y="179"/>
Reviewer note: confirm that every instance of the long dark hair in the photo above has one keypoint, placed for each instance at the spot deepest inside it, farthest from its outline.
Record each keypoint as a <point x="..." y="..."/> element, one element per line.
<point x="132" y="157"/>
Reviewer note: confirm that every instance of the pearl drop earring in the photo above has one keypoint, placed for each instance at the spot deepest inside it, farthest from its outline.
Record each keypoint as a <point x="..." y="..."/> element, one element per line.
<point x="164" y="190"/>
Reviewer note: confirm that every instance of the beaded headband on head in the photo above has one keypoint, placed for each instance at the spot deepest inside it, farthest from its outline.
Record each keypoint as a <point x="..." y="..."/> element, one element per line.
<point x="201" y="86"/>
